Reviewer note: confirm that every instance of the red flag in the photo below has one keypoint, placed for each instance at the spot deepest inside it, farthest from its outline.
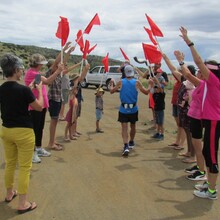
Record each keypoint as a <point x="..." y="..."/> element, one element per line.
<point x="150" y="35"/>
<point x="79" y="40"/>
<point x="92" y="48"/>
<point x="152" y="53"/>
<point x="63" y="30"/>
<point x="154" y="28"/>
<point x="105" y="63"/>
<point x="124" y="55"/>
<point x="86" y="49"/>
<point x="94" y="21"/>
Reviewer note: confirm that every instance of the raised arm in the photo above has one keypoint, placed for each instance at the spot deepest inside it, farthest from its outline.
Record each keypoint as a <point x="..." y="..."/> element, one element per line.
<point x="84" y="72"/>
<point x="140" y="86"/>
<point x="196" y="57"/>
<point x="172" y="68"/>
<point x="115" y="88"/>
<point x="185" y="71"/>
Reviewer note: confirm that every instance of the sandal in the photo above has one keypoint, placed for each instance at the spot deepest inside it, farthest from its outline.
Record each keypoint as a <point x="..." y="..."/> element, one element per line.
<point x="189" y="160"/>
<point x="56" y="147"/>
<point x="178" y="148"/>
<point x="67" y="139"/>
<point x="15" y="193"/>
<point x="73" y="138"/>
<point x="32" y="206"/>
<point x="173" y="145"/>
<point x="184" y="154"/>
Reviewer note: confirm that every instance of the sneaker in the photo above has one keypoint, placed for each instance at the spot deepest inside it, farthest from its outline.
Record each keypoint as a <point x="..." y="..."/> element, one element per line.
<point x="205" y="194"/>
<point x="160" y="137"/>
<point x="42" y="152"/>
<point x="203" y="186"/>
<point x="197" y="176"/>
<point x="125" y="151"/>
<point x="192" y="169"/>
<point x="98" y="131"/>
<point x="131" y="144"/>
<point x="35" y="158"/>
<point x="155" y="135"/>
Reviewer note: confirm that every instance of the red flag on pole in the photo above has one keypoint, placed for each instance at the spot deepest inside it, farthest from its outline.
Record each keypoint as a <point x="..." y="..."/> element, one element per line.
<point x="92" y="48"/>
<point x="86" y="48"/>
<point x="105" y="63"/>
<point x="152" y="53"/>
<point x="63" y="30"/>
<point x="154" y="28"/>
<point x="124" y="55"/>
<point x="150" y="34"/>
<point x="94" y="21"/>
<point x="79" y="40"/>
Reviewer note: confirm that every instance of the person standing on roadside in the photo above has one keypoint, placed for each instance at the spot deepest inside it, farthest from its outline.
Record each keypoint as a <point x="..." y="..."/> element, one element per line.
<point x="17" y="130"/>
<point x="210" y="71"/>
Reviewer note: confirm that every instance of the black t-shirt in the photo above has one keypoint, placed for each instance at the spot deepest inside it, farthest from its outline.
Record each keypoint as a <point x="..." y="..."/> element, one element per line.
<point x="159" y="101"/>
<point x="164" y="74"/>
<point x="14" y="102"/>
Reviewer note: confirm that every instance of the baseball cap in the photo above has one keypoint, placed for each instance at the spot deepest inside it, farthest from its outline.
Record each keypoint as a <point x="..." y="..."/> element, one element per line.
<point x="129" y="71"/>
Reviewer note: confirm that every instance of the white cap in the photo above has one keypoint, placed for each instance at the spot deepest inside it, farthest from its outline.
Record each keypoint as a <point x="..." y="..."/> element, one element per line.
<point x="129" y="71"/>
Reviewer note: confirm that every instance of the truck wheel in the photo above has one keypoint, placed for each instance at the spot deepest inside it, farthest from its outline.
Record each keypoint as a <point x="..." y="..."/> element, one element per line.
<point x="108" y="85"/>
<point x="84" y="84"/>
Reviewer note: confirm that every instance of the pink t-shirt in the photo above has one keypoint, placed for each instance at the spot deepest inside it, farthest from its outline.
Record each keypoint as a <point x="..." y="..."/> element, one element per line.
<point x="29" y="77"/>
<point x="211" y="99"/>
<point x="195" y="110"/>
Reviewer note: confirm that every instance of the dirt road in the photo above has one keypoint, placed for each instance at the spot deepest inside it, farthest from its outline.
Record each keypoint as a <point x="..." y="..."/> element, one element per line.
<point x="90" y="180"/>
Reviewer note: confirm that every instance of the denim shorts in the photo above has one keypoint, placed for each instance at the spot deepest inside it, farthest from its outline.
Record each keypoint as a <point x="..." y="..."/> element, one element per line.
<point x="54" y="109"/>
<point x="98" y="114"/>
<point x="159" y="116"/>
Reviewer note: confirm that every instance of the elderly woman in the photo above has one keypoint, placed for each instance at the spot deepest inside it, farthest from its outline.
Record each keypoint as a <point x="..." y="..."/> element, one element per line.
<point x="17" y="130"/>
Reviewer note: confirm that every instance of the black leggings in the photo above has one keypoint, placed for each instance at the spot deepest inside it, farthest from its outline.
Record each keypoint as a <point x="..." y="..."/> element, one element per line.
<point x="38" y="119"/>
<point x="211" y="144"/>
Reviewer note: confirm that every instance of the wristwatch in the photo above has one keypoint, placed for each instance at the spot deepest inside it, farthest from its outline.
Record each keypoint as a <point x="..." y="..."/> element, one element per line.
<point x="181" y="63"/>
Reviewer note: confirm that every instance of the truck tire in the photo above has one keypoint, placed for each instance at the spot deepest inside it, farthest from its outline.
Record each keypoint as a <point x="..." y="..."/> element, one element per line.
<point x="108" y="84"/>
<point x="84" y="84"/>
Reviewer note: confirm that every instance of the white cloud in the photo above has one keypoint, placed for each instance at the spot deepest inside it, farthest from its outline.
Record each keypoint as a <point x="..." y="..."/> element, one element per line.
<point x="35" y="23"/>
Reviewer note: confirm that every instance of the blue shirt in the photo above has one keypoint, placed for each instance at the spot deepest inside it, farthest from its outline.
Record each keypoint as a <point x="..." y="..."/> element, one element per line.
<point x="128" y="95"/>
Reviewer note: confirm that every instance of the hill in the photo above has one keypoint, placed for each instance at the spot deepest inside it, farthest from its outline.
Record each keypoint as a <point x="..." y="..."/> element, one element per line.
<point x="24" y="52"/>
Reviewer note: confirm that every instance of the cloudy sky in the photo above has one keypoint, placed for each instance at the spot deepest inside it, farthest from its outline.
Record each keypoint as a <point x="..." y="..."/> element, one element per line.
<point x="35" y="22"/>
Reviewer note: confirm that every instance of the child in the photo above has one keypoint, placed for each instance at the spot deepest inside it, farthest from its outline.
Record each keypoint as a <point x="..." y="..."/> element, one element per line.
<point x="159" y="106"/>
<point x="71" y="114"/>
<point x="99" y="107"/>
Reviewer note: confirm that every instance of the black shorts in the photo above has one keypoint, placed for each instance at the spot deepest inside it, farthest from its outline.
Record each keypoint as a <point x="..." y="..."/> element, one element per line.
<point x="54" y="109"/>
<point x="196" y="128"/>
<point x="125" y="118"/>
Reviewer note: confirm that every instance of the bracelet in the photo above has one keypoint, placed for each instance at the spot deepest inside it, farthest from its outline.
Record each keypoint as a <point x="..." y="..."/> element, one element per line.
<point x="181" y="63"/>
<point x="191" y="44"/>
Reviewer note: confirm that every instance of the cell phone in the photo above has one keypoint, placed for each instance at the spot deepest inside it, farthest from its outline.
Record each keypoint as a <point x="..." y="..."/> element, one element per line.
<point x="37" y="79"/>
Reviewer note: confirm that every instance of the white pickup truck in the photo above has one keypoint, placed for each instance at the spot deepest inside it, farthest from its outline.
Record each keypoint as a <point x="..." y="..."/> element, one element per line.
<point x="97" y="76"/>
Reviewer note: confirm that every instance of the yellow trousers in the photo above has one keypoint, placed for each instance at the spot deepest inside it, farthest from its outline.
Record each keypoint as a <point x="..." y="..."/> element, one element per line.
<point x="19" y="147"/>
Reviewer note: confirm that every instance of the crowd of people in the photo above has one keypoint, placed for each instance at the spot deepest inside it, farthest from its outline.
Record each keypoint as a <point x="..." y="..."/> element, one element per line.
<point x="195" y="101"/>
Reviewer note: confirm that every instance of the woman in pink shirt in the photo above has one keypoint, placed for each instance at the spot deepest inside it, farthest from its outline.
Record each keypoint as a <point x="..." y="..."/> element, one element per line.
<point x="36" y="61"/>
<point x="210" y="113"/>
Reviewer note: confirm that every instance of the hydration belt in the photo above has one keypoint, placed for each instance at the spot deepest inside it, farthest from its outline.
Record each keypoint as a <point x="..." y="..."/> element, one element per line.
<point x="126" y="105"/>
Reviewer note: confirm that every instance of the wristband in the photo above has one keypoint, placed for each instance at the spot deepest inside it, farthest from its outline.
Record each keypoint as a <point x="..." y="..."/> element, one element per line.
<point x="191" y="44"/>
<point x="181" y="63"/>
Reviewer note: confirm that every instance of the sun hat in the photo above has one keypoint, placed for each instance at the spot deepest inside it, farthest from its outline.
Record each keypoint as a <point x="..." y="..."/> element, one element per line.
<point x="37" y="59"/>
<point x="129" y="71"/>
<point x="99" y="90"/>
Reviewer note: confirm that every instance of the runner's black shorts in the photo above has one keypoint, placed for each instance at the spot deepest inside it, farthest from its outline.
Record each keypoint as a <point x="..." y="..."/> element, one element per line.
<point x="125" y="118"/>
